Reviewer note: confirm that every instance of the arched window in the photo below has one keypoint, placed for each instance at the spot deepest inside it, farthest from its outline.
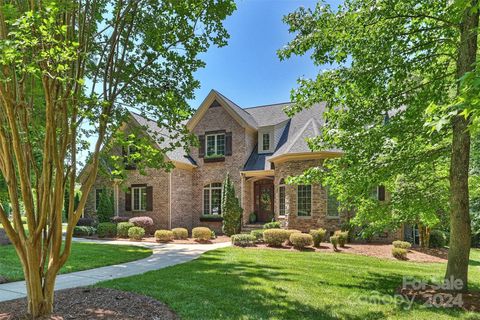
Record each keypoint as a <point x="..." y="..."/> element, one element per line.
<point x="212" y="199"/>
<point x="281" y="197"/>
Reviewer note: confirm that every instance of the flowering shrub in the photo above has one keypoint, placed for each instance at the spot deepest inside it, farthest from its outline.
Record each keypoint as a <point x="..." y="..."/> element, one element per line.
<point x="143" y="222"/>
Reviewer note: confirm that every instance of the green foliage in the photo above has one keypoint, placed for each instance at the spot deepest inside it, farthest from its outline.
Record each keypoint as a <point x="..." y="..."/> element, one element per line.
<point x="180" y="233"/>
<point x="402" y="244"/>
<point x="107" y="229"/>
<point x="231" y="210"/>
<point x="105" y="210"/>
<point x="334" y="240"/>
<point x="252" y="218"/>
<point x="272" y="225"/>
<point x="243" y="240"/>
<point x="399" y="253"/>
<point x="202" y="234"/>
<point x="342" y="237"/>
<point x="82" y="231"/>
<point x="136" y="233"/>
<point x="388" y="68"/>
<point x="301" y="240"/>
<point x="438" y="239"/>
<point x="275" y="237"/>
<point x="258" y="234"/>
<point x="122" y="229"/>
<point x="290" y="232"/>
<point x="318" y="236"/>
<point x="164" y="235"/>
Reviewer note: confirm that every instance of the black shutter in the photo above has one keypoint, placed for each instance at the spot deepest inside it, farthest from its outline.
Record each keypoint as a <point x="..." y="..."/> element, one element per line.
<point x="128" y="200"/>
<point x="201" y="149"/>
<point x="228" y="144"/>
<point x="381" y="193"/>
<point x="149" y="199"/>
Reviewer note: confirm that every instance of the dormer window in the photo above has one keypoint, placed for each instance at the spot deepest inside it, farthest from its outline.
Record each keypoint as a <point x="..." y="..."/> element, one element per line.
<point x="215" y="144"/>
<point x="266" y="142"/>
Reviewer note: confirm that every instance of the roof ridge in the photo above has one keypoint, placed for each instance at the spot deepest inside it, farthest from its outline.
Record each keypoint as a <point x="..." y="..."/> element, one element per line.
<point x="268" y="105"/>
<point x="299" y="134"/>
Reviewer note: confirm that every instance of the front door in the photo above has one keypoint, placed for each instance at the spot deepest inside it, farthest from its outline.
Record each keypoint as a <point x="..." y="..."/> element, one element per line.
<point x="263" y="195"/>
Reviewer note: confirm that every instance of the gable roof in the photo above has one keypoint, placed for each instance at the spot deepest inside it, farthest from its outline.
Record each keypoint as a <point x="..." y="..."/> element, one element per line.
<point x="178" y="154"/>
<point x="268" y="115"/>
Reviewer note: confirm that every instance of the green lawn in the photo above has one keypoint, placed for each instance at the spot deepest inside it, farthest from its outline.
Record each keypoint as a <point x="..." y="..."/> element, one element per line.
<point x="84" y="256"/>
<point x="235" y="283"/>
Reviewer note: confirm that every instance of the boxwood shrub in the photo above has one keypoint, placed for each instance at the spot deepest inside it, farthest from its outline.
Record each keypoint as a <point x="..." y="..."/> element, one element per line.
<point x="83" y="231"/>
<point x="163" y="235"/>
<point x="401" y="244"/>
<point x="318" y="235"/>
<point x="202" y="233"/>
<point x="107" y="229"/>
<point x="438" y="239"/>
<point x="290" y="232"/>
<point x="342" y="237"/>
<point x="180" y="233"/>
<point x="136" y="233"/>
<point x="275" y="237"/>
<point x="258" y="234"/>
<point x="122" y="229"/>
<point x="301" y="240"/>
<point x="272" y="225"/>
<point x="243" y="240"/>
<point x="399" y="253"/>
<point x="334" y="242"/>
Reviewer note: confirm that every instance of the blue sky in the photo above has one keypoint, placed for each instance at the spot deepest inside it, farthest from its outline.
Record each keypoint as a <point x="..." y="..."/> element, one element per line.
<point x="248" y="70"/>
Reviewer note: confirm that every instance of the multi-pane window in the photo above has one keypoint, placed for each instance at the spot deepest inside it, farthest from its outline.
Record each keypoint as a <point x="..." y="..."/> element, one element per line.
<point x="332" y="205"/>
<point x="304" y="200"/>
<point x="212" y="198"/>
<point x="215" y="144"/>
<point x="281" y="198"/>
<point x="98" y="194"/>
<point x="379" y="193"/>
<point x="139" y="198"/>
<point x="266" y="141"/>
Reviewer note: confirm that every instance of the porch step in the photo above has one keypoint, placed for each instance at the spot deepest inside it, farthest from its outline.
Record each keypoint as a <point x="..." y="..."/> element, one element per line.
<point x="250" y="227"/>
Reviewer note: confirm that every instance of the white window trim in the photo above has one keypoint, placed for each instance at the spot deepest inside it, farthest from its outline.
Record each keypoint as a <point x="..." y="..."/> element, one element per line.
<point x="139" y="200"/>
<point x="311" y="202"/>
<point x="326" y="207"/>
<point x="279" y="206"/>
<point x="210" y="188"/>
<point x="216" y="135"/>
<point x="269" y="141"/>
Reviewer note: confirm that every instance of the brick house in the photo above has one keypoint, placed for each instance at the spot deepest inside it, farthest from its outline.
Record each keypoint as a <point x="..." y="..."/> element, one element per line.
<point x="259" y="146"/>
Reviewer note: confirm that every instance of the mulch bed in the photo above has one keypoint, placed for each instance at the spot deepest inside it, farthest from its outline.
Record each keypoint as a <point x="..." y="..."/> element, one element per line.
<point x="94" y="303"/>
<point x="218" y="239"/>
<point x="438" y="298"/>
<point x="383" y="251"/>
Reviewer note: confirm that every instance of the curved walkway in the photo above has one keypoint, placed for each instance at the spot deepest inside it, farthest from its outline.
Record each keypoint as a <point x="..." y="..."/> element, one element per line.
<point x="164" y="255"/>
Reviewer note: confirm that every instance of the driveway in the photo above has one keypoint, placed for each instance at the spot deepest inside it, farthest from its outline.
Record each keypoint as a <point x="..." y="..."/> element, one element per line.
<point x="164" y="255"/>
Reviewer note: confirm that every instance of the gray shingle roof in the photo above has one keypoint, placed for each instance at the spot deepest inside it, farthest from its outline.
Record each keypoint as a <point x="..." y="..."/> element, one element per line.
<point x="247" y="117"/>
<point x="269" y="114"/>
<point x="178" y="154"/>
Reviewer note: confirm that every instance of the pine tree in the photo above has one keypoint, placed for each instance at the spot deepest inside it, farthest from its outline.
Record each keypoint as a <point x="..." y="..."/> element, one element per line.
<point x="231" y="209"/>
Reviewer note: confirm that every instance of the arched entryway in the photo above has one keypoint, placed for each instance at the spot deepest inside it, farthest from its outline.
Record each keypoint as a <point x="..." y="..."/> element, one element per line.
<point x="264" y="199"/>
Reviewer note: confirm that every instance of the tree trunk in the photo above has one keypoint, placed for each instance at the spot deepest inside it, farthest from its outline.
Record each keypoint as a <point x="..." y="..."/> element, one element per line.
<point x="460" y="232"/>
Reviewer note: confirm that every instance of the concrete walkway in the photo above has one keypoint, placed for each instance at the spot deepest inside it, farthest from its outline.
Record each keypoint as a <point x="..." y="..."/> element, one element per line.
<point x="164" y="255"/>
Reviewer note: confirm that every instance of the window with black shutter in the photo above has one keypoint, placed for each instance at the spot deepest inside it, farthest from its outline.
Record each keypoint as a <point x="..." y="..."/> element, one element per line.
<point x="381" y="193"/>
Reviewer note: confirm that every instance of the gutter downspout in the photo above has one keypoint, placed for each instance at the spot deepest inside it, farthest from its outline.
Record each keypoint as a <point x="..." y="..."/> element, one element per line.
<point x="170" y="200"/>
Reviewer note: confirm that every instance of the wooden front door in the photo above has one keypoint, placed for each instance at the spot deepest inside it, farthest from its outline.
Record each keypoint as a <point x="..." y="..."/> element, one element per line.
<point x="263" y="195"/>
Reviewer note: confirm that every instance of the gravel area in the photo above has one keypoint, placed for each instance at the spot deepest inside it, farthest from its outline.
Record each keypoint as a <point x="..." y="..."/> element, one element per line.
<point x="94" y="303"/>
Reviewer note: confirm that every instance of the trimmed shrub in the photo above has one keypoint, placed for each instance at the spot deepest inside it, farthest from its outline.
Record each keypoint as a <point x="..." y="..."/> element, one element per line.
<point x="122" y="229"/>
<point x="231" y="209"/>
<point x="143" y="222"/>
<point x="83" y="231"/>
<point x="201" y="234"/>
<point x="136" y="233"/>
<point x="120" y="219"/>
<point x="275" y="237"/>
<point x="438" y="239"/>
<point x="163" y="235"/>
<point x="86" y="222"/>
<point x="272" y="225"/>
<point x="301" y="240"/>
<point x="317" y="235"/>
<point x="258" y="234"/>
<point x="334" y="242"/>
<point x="180" y="233"/>
<point x="342" y="237"/>
<point x="290" y="232"/>
<point x="399" y="253"/>
<point x="243" y="240"/>
<point x="401" y="244"/>
<point x="107" y="229"/>
<point x="105" y="208"/>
